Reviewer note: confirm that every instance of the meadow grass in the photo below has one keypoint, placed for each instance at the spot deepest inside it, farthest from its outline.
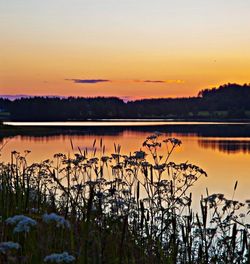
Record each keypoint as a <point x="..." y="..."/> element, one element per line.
<point x="136" y="208"/>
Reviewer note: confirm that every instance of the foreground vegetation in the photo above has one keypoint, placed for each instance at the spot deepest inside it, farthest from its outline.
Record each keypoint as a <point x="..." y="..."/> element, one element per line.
<point x="136" y="208"/>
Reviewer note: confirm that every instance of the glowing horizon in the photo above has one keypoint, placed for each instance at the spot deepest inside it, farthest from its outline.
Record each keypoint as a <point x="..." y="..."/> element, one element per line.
<point x="129" y="49"/>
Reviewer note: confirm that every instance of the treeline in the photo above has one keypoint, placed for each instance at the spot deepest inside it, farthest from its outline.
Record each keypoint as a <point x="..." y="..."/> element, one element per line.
<point x="225" y="102"/>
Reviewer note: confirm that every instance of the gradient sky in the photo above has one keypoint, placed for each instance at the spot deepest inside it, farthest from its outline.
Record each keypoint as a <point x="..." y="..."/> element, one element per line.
<point x="127" y="48"/>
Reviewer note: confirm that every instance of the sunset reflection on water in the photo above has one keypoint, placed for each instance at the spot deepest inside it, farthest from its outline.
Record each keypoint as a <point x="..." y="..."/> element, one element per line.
<point x="225" y="160"/>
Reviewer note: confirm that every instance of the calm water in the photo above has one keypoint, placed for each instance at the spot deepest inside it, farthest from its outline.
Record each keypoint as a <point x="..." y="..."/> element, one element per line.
<point x="221" y="149"/>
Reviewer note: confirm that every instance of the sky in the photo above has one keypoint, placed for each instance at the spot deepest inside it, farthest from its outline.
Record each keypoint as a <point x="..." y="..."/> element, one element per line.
<point x="126" y="48"/>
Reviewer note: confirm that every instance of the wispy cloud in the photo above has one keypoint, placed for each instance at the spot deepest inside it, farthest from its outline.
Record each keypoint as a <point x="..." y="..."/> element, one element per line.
<point x="94" y="81"/>
<point x="153" y="81"/>
<point x="160" y="81"/>
<point x="88" y="81"/>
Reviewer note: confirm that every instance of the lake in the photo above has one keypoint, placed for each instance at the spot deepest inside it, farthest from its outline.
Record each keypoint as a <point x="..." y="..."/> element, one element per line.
<point x="221" y="149"/>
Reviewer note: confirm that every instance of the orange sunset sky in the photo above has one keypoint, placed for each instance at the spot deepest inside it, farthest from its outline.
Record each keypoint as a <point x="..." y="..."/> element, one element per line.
<point x="126" y="48"/>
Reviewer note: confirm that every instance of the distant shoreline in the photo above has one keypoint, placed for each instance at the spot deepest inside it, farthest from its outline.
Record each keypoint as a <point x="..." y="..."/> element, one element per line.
<point x="228" y="103"/>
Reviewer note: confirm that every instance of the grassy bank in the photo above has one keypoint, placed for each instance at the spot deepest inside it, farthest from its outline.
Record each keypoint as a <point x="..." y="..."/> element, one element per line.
<point x="136" y="208"/>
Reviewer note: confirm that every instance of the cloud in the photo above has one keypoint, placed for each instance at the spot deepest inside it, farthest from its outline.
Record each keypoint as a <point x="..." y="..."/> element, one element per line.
<point x="88" y="81"/>
<point x="94" y="81"/>
<point x="152" y="81"/>
<point x="160" y="81"/>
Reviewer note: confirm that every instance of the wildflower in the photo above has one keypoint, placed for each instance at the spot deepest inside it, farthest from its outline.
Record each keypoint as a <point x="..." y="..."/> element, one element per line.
<point x="173" y="141"/>
<point x="60" y="220"/>
<point x="59" y="258"/>
<point x="145" y="164"/>
<point x="6" y="246"/>
<point x="23" y="223"/>
<point x="117" y="167"/>
<point x="15" y="153"/>
<point x="140" y="154"/>
<point x="105" y="158"/>
<point x="59" y="155"/>
<point x="93" y="161"/>
<point x="133" y="163"/>
<point x="115" y="156"/>
<point x="79" y="157"/>
<point x="152" y="137"/>
<point x="212" y="198"/>
<point x="162" y="183"/>
<point x="151" y="145"/>
<point x="160" y="167"/>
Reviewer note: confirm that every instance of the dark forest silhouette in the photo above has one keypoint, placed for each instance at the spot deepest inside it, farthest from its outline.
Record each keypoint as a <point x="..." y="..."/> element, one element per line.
<point x="230" y="101"/>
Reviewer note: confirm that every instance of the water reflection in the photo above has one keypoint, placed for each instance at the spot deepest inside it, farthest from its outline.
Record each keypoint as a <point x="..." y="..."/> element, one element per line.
<point x="206" y="146"/>
<point x="233" y="138"/>
<point x="227" y="146"/>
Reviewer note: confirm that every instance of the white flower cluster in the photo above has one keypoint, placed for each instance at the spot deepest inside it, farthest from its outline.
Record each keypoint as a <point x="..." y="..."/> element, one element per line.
<point x="60" y="220"/>
<point x="23" y="223"/>
<point x="6" y="246"/>
<point x="59" y="258"/>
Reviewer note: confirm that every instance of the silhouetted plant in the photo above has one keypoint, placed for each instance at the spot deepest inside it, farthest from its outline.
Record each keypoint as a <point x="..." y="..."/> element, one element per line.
<point x="136" y="208"/>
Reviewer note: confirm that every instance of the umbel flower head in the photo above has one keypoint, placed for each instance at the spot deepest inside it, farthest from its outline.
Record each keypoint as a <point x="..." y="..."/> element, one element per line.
<point x="23" y="223"/>
<point x="7" y="246"/>
<point x="59" y="220"/>
<point x="59" y="258"/>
